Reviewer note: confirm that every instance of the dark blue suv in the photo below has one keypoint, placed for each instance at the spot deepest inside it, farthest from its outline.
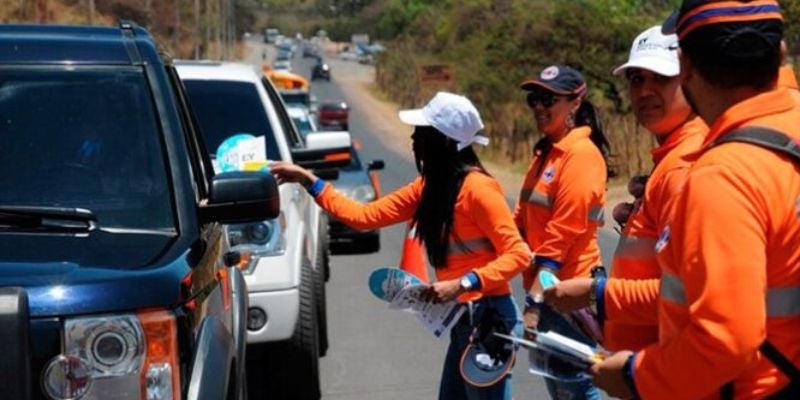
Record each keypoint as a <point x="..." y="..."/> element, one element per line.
<point x="115" y="276"/>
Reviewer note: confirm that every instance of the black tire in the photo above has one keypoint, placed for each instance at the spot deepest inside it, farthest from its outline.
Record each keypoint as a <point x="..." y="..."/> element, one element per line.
<point x="319" y="285"/>
<point x="302" y="372"/>
<point x="345" y="126"/>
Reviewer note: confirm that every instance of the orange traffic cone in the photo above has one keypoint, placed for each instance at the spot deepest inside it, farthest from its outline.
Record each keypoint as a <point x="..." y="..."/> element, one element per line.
<point x="413" y="258"/>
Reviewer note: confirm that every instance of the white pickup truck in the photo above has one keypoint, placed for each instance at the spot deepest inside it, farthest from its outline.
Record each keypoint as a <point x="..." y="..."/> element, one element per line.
<point x="283" y="259"/>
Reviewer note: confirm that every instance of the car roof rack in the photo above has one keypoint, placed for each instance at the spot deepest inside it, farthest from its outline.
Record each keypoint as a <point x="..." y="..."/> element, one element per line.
<point x="127" y="28"/>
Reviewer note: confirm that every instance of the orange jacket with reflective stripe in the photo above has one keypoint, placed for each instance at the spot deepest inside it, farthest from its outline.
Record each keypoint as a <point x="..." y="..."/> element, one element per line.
<point x="560" y="208"/>
<point x="731" y="264"/>
<point x="631" y="312"/>
<point x="488" y="242"/>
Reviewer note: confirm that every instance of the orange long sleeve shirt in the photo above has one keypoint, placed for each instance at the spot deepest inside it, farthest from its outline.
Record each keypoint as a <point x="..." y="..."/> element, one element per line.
<point x="731" y="264"/>
<point x="560" y="208"/>
<point x="484" y="238"/>
<point x="630" y="300"/>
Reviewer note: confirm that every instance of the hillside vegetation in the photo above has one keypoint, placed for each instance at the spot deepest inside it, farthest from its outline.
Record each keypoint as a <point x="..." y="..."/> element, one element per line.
<point x="494" y="45"/>
<point x="183" y="28"/>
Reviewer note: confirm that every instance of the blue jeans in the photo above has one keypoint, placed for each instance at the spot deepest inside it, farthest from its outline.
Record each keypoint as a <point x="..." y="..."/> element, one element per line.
<point x="550" y="320"/>
<point x="453" y="386"/>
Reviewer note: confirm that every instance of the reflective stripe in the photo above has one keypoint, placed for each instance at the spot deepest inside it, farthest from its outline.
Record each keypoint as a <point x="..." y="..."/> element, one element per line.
<point x="635" y="247"/>
<point x="469" y="246"/>
<point x="540" y="199"/>
<point x="596" y="214"/>
<point x="672" y="289"/>
<point x="783" y="302"/>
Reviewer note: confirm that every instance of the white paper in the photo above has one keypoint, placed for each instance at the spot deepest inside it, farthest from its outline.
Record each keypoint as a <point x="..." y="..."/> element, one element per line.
<point x="437" y="318"/>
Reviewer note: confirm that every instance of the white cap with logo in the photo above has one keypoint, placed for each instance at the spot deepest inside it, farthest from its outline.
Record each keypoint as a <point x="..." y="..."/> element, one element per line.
<point x="654" y="51"/>
<point x="453" y="115"/>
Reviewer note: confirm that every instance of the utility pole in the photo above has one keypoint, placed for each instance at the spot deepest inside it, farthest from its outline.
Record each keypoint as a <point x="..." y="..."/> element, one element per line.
<point x="91" y="11"/>
<point x="196" y="31"/>
<point x="148" y="12"/>
<point x="176" y="33"/>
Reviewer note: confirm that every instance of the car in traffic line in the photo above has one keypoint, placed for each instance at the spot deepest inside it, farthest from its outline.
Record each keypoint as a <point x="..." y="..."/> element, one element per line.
<point x="288" y="255"/>
<point x="321" y="70"/>
<point x="361" y="183"/>
<point x="118" y="281"/>
<point x="333" y="114"/>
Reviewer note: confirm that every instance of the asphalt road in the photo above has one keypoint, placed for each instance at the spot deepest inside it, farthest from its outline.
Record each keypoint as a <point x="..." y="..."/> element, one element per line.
<point x="375" y="353"/>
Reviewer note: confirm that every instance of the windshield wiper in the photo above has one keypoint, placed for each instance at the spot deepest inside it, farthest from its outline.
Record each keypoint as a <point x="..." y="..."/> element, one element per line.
<point x="47" y="219"/>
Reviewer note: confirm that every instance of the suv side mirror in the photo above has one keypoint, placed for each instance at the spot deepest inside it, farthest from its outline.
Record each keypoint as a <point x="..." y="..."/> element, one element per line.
<point x="324" y="150"/>
<point x="239" y="196"/>
<point x="376" y="165"/>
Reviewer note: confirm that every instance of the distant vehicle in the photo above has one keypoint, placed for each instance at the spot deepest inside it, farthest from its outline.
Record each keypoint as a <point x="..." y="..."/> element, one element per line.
<point x="270" y="34"/>
<point x="302" y="118"/>
<point x="348" y="56"/>
<point x="282" y="65"/>
<point x="321" y="71"/>
<point x="361" y="183"/>
<point x="334" y="113"/>
<point x="283" y="55"/>
<point x="310" y="51"/>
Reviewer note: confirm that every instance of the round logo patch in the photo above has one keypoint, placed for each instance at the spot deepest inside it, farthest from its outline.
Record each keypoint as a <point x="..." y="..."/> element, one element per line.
<point x="549" y="174"/>
<point x="549" y="73"/>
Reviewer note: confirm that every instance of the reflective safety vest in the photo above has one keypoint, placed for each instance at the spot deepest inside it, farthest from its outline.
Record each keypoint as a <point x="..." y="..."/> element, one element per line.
<point x="561" y="203"/>
<point x="483" y="239"/>
<point x="731" y="265"/>
<point x="631" y="310"/>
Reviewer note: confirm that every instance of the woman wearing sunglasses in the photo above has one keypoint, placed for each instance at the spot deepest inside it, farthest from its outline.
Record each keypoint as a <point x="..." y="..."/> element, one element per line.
<point x="561" y="202"/>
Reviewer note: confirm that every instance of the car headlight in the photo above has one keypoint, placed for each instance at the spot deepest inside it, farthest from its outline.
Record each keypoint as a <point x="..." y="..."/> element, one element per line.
<point x="363" y="193"/>
<point x="257" y="240"/>
<point x="129" y="356"/>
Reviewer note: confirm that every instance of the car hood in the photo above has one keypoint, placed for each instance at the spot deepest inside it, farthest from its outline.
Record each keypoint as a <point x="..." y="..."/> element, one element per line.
<point x="99" y="272"/>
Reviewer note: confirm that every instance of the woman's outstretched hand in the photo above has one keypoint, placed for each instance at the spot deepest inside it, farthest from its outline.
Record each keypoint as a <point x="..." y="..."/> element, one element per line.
<point x="286" y="172"/>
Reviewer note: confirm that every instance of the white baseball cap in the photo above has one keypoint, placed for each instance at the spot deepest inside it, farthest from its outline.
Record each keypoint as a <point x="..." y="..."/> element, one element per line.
<point x="654" y="51"/>
<point x="453" y="115"/>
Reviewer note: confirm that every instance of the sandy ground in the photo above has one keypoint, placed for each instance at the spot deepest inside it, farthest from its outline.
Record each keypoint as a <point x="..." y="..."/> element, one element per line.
<point x="358" y="81"/>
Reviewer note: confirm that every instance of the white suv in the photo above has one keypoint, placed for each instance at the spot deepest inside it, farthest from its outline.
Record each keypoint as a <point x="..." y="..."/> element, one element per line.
<point x="288" y="255"/>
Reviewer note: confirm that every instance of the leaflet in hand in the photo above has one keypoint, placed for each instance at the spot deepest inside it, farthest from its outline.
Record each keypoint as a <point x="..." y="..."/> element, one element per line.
<point x="437" y="318"/>
<point x="556" y="356"/>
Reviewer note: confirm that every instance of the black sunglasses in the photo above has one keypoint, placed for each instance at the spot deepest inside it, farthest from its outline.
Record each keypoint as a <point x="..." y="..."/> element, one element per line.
<point x="546" y="99"/>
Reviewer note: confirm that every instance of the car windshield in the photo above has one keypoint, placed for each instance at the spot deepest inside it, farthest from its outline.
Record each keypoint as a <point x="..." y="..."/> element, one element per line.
<point x="84" y="138"/>
<point x="226" y="108"/>
<point x="296" y="98"/>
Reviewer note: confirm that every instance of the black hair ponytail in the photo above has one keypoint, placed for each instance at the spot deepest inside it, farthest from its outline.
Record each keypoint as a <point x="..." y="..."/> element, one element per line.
<point x="587" y="116"/>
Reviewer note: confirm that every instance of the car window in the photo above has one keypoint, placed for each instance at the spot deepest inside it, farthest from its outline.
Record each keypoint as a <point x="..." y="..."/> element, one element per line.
<point x="225" y="108"/>
<point x="84" y="138"/>
<point x="303" y="124"/>
<point x="292" y="136"/>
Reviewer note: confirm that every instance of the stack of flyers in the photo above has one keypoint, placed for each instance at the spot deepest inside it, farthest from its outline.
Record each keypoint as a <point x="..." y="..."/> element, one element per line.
<point x="556" y="356"/>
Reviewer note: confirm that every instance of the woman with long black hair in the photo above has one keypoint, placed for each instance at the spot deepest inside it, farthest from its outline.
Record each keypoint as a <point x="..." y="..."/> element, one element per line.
<point x="461" y="217"/>
<point x="561" y="202"/>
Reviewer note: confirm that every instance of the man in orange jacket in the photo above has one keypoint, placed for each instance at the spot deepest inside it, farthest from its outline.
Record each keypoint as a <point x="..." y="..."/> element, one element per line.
<point x="729" y="307"/>
<point x="627" y="302"/>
